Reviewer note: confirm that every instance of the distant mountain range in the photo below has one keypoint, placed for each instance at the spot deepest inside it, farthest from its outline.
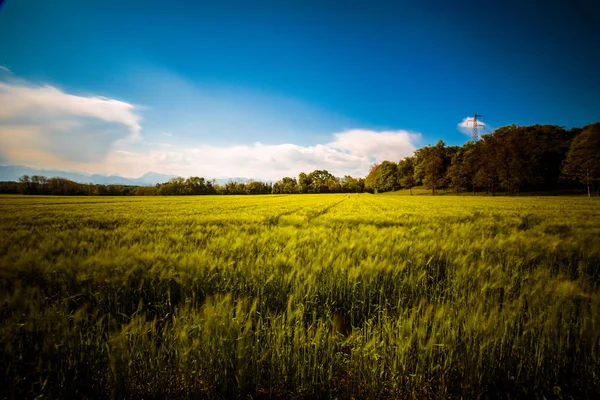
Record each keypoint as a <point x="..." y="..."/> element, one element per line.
<point x="14" y="172"/>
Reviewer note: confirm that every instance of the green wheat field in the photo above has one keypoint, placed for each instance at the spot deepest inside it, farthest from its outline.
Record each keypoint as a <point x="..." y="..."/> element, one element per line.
<point x="300" y="296"/>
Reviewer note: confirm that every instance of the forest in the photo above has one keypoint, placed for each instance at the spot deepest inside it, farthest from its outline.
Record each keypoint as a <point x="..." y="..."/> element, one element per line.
<point x="512" y="159"/>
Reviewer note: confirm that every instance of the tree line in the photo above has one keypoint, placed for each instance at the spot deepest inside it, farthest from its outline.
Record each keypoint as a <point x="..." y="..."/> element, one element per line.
<point x="318" y="181"/>
<point x="200" y="186"/>
<point x="38" y="184"/>
<point x="511" y="159"/>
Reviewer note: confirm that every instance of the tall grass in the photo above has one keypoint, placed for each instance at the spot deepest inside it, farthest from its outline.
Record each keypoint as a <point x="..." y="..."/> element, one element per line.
<point x="348" y="296"/>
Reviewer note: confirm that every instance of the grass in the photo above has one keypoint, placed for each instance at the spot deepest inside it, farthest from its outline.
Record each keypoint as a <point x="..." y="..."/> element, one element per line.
<point x="299" y="296"/>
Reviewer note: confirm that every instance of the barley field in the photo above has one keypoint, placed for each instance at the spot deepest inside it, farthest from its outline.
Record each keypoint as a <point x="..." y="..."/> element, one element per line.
<point x="300" y="296"/>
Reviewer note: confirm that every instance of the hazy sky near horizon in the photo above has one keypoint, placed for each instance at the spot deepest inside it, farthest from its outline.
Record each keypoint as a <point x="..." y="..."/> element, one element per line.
<point x="264" y="89"/>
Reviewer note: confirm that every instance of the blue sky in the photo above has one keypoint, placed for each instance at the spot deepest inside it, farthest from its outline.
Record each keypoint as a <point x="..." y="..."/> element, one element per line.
<point x="266" y="89"/>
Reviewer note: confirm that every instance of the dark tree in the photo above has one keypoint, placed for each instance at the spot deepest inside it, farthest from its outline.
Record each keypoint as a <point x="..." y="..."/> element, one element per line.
<point x="583" y="158"/>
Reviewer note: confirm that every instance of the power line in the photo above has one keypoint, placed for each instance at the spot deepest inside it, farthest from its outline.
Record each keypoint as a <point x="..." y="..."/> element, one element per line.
<point x="476" y="125"/>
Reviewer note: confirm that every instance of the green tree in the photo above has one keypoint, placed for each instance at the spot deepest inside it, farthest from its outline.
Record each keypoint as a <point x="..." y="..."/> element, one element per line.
<point x="371" y="179"/>
<point x="511" y="159"/>
<point x="457" y="173"/>
<point x="286" y="185"/>
<point x="195" y="185"/>
<point x="175" y="186"/>
<point x="406" y="173"/>
<point x="235" y="187"/>
<point x="319" y="181"/>
<point x="257" y="187"/>
<point x="382" y="177"/>
<point x="430" y="165"/>
<point x="146" y="191"/>
<point x="583" y="159"/>
<point x="387" y="177"/>
<point x="304" y="183"/>
<point x="471" y="163"/>
<point x="484" y="170"/>
<point x="352" y="185"/>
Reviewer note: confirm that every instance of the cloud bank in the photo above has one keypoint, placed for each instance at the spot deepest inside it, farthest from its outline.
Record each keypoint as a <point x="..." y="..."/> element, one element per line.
<point x="42" y="126"/>
<point x="349" y="153"/>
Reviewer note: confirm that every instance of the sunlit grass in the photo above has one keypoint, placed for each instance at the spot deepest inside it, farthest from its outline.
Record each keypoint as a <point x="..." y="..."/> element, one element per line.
<point x="299" y="296"/>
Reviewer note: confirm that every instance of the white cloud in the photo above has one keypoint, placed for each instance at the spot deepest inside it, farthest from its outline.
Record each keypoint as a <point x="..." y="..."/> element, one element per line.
<point x="466" y="126"/>
<point x="5" y="69"/>
<point x="42" y="126"/>
<point x="47" y="102"/>
<point x="349" y="153"/>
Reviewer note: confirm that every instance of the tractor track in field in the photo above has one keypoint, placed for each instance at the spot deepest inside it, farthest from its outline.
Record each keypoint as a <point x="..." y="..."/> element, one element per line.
<point x="274" y="219"/>
<point x="324" y="211"/>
